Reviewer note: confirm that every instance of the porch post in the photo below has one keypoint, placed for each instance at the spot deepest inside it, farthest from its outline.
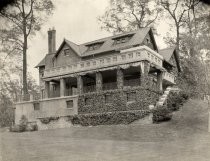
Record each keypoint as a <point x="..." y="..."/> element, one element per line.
<point x="160" y="80"/>
<point x="99" y="81"/>
<point x="62" y="87"/>
<point x="144" y="71"/>
<point x="120" y="78"/>
<point x="47" y="89"/>
<point x="80" y="84"/>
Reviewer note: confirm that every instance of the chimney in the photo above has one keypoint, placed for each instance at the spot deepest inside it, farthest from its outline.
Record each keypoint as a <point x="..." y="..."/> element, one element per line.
<point x="51" y="41"/>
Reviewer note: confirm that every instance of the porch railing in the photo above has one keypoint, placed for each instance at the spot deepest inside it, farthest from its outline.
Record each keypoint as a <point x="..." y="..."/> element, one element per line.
<point x="110" y="86"/>
<point x="132" y="82"/>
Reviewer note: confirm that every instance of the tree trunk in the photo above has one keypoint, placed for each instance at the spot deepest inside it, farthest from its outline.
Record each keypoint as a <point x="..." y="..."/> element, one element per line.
<point x="25" y="46"/>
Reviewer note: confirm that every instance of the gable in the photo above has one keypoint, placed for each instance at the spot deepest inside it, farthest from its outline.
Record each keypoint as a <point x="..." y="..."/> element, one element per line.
<point x="150" y="41"/>
<point x="172" y="60"/>
<point x="65" y="56"/>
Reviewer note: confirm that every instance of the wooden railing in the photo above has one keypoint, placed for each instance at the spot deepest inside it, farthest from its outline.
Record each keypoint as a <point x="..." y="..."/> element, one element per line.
<point x="127" y="56"/>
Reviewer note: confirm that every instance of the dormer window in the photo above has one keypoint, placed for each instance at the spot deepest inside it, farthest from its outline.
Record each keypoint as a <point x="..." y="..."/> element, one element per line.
<point x="66" y="52"/>
<point x="94" y="46"/>
<point x="122" y="39"/>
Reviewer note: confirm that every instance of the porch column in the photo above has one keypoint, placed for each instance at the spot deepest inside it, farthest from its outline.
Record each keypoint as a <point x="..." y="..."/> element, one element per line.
<point x="144" y="71"/>
<point x="80" y="84"/>
<point x="160" y="80"/>
<point x="99" y="81"/>
<point x="120" y="78"/>
<point x="47" y="89"/>
<point x="62" y="87"/>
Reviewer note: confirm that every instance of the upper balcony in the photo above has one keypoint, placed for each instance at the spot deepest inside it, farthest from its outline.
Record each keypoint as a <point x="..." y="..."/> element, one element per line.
<point x="169" y="77"/>
<point x="131" y="55"/>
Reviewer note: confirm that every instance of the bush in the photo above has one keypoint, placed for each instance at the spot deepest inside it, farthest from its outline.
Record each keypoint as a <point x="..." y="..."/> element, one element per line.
<point x="107" y="118"/>
<point x="161" y="114"/>
<point x="175" y="100"/>
<point x="47" y="120"/>
<point x="24" y="126"/>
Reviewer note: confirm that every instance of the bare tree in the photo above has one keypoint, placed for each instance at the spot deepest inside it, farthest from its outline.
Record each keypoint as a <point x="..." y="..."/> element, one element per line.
<point x="126" y="15"/>
<point x="22" y="20"/>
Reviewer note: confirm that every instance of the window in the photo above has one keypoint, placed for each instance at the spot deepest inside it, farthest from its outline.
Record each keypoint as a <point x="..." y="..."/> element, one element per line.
<point x="122" y="39"/>
<point x="88" y="101"/>
<point x="123" y="57"/>
<point x="36" y="106"/>
<point x="88" y="64"/>
<point x="54" y="87"/>
<point x="102" y="61"/>
<point x="66" y="52"/>
<point x="108" y="98"/>
<point x="115" y="58"/>
<point x="108" y="60"/>
<point x="130" y="55"/>
<point x="131" y="97"/>
<point x="138" y="54"/>
<point x="70" y="104"/>
<point x="94" y="62"/>
<point x="82" y="65"/>
<point x="53" y="61"/>
<point x="94" y="46"/>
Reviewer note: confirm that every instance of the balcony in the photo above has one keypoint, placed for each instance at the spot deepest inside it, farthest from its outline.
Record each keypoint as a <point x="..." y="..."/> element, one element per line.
<point x="131" y="55"/>
<point x="169" y="77"/>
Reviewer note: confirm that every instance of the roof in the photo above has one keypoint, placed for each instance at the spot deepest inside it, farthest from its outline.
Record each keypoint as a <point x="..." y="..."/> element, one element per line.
<point x="137" y="38"/>
<point x="167" y="53"/>
<point x="41" y="63"/>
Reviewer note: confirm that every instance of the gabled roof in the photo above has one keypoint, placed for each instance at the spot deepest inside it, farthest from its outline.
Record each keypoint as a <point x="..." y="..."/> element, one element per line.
<point x="41" y="63"/>
<point x="137" y="38"/>
<point x="167" y="53"/>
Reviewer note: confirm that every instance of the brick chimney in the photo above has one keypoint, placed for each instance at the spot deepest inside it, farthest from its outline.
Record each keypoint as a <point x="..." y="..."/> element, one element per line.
<point x="51" y="41"/>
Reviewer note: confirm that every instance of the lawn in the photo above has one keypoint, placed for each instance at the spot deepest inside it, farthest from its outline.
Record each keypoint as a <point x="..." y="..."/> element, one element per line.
<point x="184" y="138"/>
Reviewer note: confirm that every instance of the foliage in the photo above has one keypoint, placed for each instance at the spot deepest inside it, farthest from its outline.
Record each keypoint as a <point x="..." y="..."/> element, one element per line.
<point x="176" y="99"/>
<point x="22" y="20"/>
<point x="126" y="15"/>
<point x="95" y="102"/>
<point x="47" y="120"/>
<point x="112" y="118"/>
<point x="161" y="113"/>
<point x="6" y="3"/>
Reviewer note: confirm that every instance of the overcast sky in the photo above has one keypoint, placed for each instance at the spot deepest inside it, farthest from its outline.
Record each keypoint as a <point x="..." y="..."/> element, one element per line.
<point x="75" y="20"/>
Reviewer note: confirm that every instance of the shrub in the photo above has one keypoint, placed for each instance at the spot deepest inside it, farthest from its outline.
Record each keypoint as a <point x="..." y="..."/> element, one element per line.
<point x="31" y="127"/>
<point x="161" y="113"/>
<point x="47" y="120"/>
<point x="107" y="118"/>
<point x="175" y="100"/>
<point x="24" y="125"/>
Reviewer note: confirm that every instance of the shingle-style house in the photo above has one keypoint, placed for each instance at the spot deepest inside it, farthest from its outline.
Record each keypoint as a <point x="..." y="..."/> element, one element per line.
<point x="118" y="73"/>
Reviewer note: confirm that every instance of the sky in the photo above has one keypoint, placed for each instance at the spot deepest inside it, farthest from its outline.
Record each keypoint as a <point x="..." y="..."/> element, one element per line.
<point x="75" y="20"/>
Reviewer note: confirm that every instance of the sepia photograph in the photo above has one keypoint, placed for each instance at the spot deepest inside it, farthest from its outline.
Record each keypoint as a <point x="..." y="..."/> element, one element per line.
<point x="104" y="80"/>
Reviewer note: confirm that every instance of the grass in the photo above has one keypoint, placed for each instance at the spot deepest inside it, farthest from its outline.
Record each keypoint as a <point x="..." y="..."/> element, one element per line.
<point x="184" y="138"/>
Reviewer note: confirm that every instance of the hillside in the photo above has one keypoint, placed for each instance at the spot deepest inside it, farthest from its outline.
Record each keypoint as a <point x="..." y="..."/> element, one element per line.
<point x="184" y="138"/>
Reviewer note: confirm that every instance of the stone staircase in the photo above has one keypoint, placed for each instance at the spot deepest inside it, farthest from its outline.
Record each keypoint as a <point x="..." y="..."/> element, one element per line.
<point x="163" y="98"/>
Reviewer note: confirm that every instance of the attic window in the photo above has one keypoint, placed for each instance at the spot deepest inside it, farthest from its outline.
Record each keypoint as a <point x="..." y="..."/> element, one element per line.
<point x="66" y="52"/>
<point x="122" y="39"/>
<point x="94" y="46"/>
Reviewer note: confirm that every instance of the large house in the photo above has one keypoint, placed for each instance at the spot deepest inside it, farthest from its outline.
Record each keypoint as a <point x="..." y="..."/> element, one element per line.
<point x="117" y="73"/>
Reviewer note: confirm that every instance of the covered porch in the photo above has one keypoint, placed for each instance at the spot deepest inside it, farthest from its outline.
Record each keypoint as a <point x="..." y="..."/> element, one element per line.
<point x="117" y="77"/>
